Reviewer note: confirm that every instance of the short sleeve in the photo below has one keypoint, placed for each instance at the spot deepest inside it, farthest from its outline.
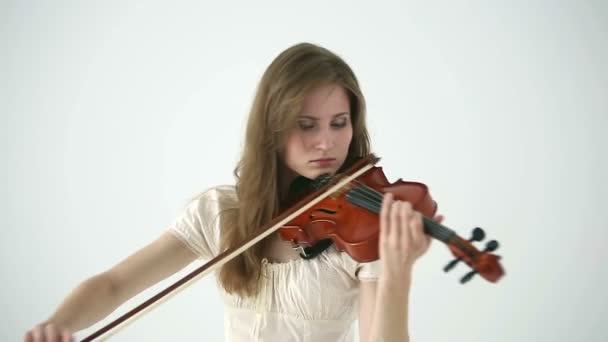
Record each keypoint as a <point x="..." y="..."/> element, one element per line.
<point x="361" y="271"/>
<point x="197" y="226"/>
<point x="368" y="271"/>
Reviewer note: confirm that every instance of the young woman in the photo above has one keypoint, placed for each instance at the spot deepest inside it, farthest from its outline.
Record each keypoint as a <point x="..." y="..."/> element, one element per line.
<point x="307" y="119"/>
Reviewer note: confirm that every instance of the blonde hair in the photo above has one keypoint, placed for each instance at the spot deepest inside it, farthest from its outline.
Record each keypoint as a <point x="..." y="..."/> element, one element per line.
<point x="278" y="101"/>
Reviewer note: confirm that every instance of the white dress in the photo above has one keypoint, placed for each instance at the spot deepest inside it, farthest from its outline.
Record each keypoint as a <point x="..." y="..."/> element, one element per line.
<point x="301" y="300"/>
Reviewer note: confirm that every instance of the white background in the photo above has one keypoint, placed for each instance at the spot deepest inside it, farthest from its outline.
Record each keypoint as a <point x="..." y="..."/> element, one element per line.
<point x="115" y="113"/>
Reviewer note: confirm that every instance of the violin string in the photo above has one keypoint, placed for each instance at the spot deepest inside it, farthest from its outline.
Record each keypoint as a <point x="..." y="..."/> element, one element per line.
<point x="362" y="194"/>
<point x="373" y="199"/>
<point x="437" y="230"/>
<point x="355" y="196"/>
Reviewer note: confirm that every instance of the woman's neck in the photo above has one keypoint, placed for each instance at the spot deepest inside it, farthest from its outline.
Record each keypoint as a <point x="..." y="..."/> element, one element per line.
<point x="286" y="177"/>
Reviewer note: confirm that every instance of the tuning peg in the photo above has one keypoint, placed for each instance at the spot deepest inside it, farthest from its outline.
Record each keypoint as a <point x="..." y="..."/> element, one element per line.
<point x="467" y="277"/>
<point x="491" y="246"/>
<point x="451" y="264"/>
<point x="477" y="234"/>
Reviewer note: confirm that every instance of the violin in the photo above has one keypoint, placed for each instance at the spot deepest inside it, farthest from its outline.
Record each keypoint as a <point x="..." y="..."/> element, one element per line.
<point x="342" y="209"/>
<point x="349" y="218"/>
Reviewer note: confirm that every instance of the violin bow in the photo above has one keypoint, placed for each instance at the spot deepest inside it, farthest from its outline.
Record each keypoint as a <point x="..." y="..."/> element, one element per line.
<point x="288" y="215"/>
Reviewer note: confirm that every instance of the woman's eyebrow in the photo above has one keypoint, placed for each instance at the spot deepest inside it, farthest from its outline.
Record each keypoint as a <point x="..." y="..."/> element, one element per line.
<point x="315" y="118"/>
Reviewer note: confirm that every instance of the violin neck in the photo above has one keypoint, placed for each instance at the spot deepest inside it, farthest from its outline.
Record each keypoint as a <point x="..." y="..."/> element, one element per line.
<point x="372" y="200"/>
<point x="437" y="230"/>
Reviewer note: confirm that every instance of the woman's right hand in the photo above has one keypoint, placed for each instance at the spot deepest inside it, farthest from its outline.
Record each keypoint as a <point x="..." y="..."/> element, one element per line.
<point x="48" y="332"/>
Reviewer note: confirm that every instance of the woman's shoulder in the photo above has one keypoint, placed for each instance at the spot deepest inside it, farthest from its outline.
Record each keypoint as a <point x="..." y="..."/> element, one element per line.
<point x="201" y="211"/>
<point x="198" y="223"/>
<point x="217" y="192"/>
<point x="216" y="197"/>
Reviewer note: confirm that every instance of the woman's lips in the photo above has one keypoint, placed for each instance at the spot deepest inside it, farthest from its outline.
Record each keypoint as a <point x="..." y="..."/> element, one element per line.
<point x="324" y="162"/>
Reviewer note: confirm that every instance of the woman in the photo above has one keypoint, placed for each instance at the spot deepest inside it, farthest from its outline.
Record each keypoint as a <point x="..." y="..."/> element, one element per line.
<point x="307" y="119"/>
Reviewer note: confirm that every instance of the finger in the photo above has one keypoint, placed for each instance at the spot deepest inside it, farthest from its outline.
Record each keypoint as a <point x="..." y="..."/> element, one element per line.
<point x="401" y="225"/>
<point x="50" y="333"/>
<point x="417" y="230"/>
<point x="406" y="239"/>
<point x="438" y="218"/>
<point x="28" y="337"/>
<point x="66" y="336"/>
<point x="395" y="222"/>
<point x="37" y="334"/>
<point x="384" y="217"/>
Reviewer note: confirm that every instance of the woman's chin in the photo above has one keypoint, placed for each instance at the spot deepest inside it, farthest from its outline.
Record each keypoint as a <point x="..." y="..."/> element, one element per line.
<point x="319" y="172"/>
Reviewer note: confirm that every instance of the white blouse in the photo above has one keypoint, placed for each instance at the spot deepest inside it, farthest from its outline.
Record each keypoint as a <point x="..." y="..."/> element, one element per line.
<point x="301" y="300"/>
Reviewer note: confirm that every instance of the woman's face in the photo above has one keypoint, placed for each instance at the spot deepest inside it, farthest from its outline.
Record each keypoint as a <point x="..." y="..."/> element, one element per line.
<point x="319" y="142"/>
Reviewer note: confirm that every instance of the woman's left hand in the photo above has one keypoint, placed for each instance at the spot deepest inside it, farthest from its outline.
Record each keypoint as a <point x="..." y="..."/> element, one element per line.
<point x="402" y="237"/>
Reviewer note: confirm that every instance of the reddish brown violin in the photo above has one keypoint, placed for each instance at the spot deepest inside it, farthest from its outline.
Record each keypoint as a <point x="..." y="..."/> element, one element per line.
<point x="349" y="217"/>
<point x="342" y="209"/>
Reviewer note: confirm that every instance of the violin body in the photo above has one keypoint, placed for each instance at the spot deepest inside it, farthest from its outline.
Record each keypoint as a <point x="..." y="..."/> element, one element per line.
<point x="354" y="230"/>
<point x="349" y="217"/>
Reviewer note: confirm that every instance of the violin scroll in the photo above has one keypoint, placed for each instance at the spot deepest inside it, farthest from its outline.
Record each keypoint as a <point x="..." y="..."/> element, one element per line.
<point x="483" y="263"/>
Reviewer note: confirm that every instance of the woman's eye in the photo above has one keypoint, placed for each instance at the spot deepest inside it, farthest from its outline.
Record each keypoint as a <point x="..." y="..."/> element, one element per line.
<point x="305" y="126"/>
<point x="339" y="124"/>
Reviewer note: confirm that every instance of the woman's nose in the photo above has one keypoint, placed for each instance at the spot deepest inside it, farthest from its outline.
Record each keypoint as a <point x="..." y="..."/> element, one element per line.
<point x="324" y="141"/>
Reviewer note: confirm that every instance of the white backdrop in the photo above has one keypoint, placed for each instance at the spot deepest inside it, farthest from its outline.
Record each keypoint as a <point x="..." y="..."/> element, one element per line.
<point x="115" y="113"/>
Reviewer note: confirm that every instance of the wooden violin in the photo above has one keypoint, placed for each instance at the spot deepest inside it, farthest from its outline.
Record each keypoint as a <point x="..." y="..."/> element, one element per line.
<point x="349" y="218"/>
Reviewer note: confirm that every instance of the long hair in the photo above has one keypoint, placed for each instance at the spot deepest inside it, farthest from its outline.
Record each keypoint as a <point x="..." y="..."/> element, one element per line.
<point x="276" y="105"/>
